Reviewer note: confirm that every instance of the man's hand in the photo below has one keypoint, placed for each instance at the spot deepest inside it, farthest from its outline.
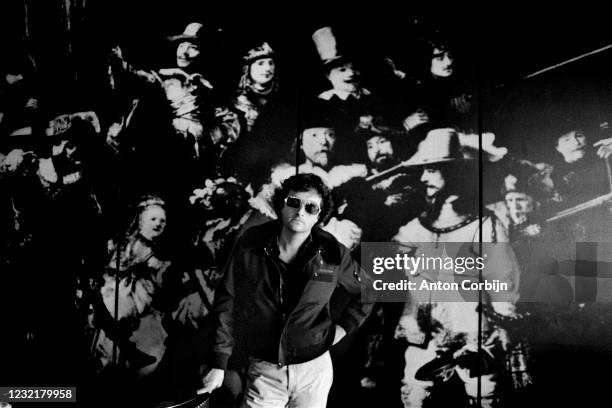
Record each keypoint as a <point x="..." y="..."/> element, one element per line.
<point x="532" y="230"/>
<point x="212" y="380"/>
<point x="604" y="148"/>
<point x="462" y="103"/>
<point x="415" y="119"/>
<point x="340" y="333"/>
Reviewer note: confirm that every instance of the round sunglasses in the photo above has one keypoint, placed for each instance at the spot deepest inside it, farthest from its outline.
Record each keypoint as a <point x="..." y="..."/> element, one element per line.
<point x="296" y="203"/>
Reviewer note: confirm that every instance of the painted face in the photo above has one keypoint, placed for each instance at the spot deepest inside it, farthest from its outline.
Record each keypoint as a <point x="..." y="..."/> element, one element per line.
<point x="13" y="78"/>
<point x="520" y="205"/>
<point x="442" y="63"/>
<point x="345" y="77"/>
<point x="187" y="53"/>
<point x="300" y="219"/>
<point x="318" y="144"/>
<point x="433" y="180"/>
<point x="572" y="146"/>
<point x="380" y="152"/>
<point x="152" y="222"/>
<point x="262" y="71"/>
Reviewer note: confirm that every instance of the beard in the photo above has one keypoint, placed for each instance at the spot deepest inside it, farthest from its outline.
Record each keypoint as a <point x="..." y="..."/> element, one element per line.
<point x="383" y="162"/>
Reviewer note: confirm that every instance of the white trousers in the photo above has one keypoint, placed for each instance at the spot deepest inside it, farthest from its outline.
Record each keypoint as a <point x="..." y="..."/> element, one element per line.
<point x="304" y="385"/>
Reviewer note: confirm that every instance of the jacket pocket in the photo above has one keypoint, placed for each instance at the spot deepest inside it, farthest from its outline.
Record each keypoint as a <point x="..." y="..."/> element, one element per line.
<point x="319" y="336"/>
<point x="319" y="291"/>
<point x="323" y="275"/>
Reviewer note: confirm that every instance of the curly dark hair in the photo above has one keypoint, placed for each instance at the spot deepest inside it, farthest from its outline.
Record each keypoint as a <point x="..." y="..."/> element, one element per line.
<point x="461" y="179"/>
<point x="301" y="183"/>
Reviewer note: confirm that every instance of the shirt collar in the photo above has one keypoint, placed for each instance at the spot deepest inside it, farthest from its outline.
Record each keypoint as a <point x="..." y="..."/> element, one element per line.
<point x="327" y="95"/>
<point x="270" y="244"/>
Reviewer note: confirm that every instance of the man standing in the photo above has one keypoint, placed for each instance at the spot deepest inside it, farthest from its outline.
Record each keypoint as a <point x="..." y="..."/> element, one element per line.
<point x="275" y="297"/>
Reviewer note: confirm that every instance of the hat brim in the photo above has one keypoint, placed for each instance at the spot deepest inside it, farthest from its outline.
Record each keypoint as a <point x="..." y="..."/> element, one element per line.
<point x="336" y="61"/>
<point x="23" y="132"/>
<point x="420" y="162"/>
<point x="183" y="37"/>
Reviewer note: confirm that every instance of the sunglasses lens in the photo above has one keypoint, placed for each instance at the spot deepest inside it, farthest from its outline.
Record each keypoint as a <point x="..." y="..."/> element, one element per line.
<point x="293" y="202"/>
<point x="311" y="208"/>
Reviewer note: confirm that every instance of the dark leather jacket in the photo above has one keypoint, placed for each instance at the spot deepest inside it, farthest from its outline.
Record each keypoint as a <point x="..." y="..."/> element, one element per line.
<point x="247" y="306"/>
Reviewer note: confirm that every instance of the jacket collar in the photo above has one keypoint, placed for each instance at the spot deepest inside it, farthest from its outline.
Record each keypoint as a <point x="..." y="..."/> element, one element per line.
<point x="263" y="237"/>
<point x="270" y="241"/>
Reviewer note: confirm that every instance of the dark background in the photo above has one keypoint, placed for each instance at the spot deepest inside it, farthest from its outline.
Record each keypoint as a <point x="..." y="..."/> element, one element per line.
<point x="70" y="39"/>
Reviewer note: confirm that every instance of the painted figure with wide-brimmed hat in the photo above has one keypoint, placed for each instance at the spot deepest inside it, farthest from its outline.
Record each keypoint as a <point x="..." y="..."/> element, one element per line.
<point x="449" y="181"/>
<point x="202" y="126"/>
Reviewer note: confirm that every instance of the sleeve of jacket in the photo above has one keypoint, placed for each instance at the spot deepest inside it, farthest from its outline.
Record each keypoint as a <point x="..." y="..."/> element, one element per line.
<point x="350" y="277"/>
<point x="223" y="313"/>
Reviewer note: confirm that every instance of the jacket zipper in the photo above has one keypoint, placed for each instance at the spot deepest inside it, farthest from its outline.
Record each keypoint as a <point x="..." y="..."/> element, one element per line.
<point x="280" y="290"/>
<point x="280" y="279"/>
<point x="280" y="301"/>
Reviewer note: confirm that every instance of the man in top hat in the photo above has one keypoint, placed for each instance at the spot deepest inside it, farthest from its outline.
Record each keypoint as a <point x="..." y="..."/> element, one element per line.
<point x="202" y="126"/>
<point x="444" y="325"/>
<point x="348" y="102"/>
<point x="341" y="70"/>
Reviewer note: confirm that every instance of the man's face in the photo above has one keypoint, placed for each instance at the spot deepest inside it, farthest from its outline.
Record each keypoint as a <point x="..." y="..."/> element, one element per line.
<point x="187" y="53"/>
<point x="572" y="146"/>
<point x="442" y="63"/>
<point x="433" y="180"/>
<point x="152" y="222"/>
<point x="380" y="152"/>
<point x="318" y="144"/>
<point x="520" y="205"/>
<point x="344" y="77"/>
<point x="262" y="71"/>
<point x="299" y="219"/>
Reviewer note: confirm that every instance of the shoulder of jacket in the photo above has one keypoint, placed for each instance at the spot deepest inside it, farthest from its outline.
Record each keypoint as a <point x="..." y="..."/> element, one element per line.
<point x="255" y="236"/>
<point x="331" y="250"/>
